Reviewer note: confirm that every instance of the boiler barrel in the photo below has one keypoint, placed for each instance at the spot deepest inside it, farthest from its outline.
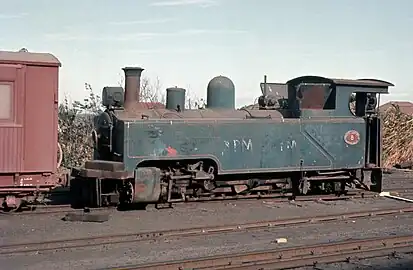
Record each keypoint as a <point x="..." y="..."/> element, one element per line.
<point x="175" y="97"/>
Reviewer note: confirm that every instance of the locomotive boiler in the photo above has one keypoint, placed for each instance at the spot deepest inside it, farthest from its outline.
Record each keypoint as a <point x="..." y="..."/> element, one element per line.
<point x="309" y="141"/>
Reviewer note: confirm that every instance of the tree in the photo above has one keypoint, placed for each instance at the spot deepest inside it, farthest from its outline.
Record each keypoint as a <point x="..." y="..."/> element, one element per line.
<point x="150" y="91"/>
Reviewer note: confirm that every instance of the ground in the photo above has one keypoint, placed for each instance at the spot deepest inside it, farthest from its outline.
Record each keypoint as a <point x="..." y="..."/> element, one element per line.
<point x="32" y="228"/>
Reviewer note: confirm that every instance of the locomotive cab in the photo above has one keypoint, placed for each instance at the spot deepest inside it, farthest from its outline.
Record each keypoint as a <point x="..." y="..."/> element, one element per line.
<point x="365" y="105"/>
<point x="312" y="97"/>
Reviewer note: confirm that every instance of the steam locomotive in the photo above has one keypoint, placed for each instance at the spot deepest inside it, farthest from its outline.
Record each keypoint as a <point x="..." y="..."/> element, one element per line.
<point x="309" y="141"/>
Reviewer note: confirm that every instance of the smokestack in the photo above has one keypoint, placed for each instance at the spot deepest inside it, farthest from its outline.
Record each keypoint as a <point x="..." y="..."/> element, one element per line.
<point x="132" y="85"/>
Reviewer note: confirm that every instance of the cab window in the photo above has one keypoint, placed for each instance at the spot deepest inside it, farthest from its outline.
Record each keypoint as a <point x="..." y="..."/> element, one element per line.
<point x="316" y="96"/>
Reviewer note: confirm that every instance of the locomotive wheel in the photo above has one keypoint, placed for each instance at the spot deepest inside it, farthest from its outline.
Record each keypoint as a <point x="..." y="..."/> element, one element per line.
<point x="126" y="196"/>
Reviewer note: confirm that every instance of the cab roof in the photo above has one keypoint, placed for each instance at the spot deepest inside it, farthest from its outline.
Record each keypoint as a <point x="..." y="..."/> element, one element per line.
<point x="341" y="82"/>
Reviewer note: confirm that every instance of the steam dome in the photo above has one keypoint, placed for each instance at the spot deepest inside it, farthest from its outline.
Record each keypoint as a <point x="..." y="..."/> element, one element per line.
<point x="221" y="93"/>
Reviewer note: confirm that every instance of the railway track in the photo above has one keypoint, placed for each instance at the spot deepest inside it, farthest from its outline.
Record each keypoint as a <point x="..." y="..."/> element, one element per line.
<point x="292" y="257"/>
<point x="407" y="190"/>
<point x="64" y="244"/>
<point x="65" y="208"/>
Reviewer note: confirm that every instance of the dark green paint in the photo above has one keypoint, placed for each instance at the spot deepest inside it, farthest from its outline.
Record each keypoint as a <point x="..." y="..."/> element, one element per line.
<point x="249" y="145"/>
<point x="313" y="140"/>
<point x="113" y="95"/>
<point x="174" y="97"/>
<point x="221" y="93"/>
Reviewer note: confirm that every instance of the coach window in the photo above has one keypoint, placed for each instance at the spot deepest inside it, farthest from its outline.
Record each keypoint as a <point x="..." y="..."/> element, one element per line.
<point x="6" y="99"/>
<point x="317" y="96"/>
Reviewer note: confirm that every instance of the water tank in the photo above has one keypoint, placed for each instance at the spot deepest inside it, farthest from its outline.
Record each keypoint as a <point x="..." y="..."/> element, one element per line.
<point x="221" y="93"/>
<point x="175" y="98"/>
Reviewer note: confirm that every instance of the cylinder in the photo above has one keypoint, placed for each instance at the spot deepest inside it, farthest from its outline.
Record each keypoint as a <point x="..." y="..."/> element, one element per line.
<point x="221" y="93"/>
<point x="132" y="85"/>
<point x="175" y="98"/>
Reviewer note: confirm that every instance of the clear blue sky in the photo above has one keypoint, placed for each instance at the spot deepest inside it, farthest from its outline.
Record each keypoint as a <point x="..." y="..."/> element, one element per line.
<point x="187" y="42"/>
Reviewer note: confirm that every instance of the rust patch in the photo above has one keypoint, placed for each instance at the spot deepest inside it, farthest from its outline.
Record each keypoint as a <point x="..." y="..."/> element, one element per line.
<point x="140" y="187"/>
<point x="171" y="151"/>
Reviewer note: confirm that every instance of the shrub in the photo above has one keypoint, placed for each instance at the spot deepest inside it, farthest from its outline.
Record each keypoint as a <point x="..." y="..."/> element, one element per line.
<point x="75" y="128"/>
<point x="397" y="137"/>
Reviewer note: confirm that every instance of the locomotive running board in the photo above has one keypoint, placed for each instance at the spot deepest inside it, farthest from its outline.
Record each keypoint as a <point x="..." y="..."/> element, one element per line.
<point x="101" y="174"/>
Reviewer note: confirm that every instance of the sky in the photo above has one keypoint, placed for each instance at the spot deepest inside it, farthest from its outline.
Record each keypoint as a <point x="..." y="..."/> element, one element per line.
<point x="186" y="43"/>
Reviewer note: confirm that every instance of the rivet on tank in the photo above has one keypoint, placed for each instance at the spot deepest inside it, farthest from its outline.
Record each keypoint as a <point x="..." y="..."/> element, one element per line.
<point x="175" y="98"/>
<point x="221" y="93"/>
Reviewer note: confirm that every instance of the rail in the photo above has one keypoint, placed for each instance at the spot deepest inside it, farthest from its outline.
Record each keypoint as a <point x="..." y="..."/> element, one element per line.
<point x="291" y="257"/>
<point x="55" y="209"/>
<point x="54" y="245"/>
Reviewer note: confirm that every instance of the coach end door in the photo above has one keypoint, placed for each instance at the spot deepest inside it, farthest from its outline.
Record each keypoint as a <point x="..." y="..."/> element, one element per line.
<point x="11" y="118"/>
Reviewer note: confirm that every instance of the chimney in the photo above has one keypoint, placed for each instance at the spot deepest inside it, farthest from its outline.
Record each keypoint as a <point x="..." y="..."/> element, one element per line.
<point x="132" y="85"/>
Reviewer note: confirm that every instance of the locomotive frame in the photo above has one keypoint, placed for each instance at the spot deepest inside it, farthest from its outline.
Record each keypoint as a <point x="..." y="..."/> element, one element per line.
<point x="133" y="169"/>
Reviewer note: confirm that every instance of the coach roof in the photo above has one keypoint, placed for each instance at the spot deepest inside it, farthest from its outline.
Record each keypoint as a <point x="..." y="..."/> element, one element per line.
<point x="37" y="59"/>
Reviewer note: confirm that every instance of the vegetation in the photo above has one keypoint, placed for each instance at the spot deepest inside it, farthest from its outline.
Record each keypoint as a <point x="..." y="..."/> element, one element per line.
<point x="75" y="128"/>
<point x="397" y="137"/>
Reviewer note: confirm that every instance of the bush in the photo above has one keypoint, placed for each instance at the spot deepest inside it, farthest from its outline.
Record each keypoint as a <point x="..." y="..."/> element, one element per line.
<point x="397" y="137"/>
<point x="75" y="128"/>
